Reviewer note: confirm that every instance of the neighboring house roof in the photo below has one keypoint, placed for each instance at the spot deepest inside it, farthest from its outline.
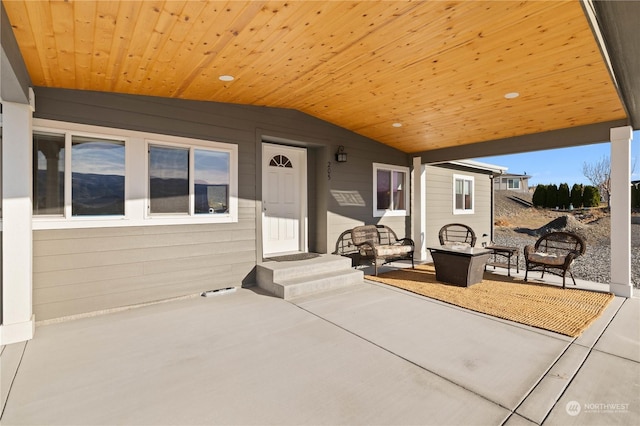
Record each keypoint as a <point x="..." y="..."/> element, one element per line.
<point x="515" y="175"/>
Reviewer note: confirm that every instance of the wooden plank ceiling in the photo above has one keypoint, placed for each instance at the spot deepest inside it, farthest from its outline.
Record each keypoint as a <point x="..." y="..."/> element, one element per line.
<point x="440" y="68"/>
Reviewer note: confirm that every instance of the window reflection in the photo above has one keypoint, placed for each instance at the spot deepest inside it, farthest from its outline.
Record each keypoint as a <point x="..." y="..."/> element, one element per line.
<point x="211" y="176"/>
<point x="391" y="190"/>
<point x="97" y="176"/>
<point x="383" y="190"/>
<point x="168" y="180"/>
<point x="463" y="194"/>
<point x="398" y="191"/>
<point x="48" y="181"/>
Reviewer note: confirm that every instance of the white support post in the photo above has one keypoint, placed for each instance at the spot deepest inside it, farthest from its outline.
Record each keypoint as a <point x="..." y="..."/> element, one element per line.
<point x="18" y="322"/>
<point x="418" y="212"/>
<point x="621" y="211"/>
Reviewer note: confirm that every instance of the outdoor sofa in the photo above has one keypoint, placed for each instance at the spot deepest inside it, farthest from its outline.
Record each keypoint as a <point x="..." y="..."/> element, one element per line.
<point x="374" y="244"/>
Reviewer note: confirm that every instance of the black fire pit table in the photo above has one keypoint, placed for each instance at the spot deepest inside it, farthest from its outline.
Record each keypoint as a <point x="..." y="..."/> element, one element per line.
<point x="458" y="264"/>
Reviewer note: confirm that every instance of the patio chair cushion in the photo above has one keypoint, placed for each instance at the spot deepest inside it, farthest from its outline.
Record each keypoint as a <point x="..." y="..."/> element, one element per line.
<point x="549" y="259"/>
<point x="365" y="233"/>
<point x="393" y="250"/>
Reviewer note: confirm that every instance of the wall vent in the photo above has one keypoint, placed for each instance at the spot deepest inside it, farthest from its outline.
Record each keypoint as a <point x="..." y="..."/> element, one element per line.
<point x="218" y="292"/>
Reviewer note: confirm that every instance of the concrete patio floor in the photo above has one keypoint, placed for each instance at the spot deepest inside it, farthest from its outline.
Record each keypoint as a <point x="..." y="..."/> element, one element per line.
<point x="370" y="354"/>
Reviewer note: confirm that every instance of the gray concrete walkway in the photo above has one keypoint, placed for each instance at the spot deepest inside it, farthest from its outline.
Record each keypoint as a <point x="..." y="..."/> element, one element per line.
<point x="367" y="355"/>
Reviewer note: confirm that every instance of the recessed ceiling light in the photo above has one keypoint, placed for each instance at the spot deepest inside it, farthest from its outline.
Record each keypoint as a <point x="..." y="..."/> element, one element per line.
<point x="226" y="78"/>
<point x="512" y="95"/>
<point x="397" y="124"/>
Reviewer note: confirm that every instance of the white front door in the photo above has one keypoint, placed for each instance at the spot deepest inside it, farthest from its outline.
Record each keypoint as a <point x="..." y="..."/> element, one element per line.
<point x="284" y="203"/>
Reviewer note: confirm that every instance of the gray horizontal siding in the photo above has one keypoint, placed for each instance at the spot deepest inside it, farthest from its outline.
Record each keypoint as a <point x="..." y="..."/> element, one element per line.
<point x="67" y="301"/>
<point x="85" y="270"/>
<point x="78" y="271"/>
<point x="357" y="176"/>
<point x="439" y="203"/>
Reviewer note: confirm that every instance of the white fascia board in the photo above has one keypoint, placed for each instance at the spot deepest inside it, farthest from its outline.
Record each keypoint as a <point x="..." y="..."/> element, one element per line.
<point x="476" y="165"/>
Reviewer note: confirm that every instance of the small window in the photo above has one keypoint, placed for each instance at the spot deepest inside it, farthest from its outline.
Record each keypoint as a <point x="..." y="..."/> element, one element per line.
<point x="463" y="193"/>
<point x="390" y="190"/>
<point x="513" y="183"/>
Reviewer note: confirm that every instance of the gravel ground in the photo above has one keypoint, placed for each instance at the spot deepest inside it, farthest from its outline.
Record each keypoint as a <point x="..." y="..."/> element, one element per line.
<point x="517" y="226"/>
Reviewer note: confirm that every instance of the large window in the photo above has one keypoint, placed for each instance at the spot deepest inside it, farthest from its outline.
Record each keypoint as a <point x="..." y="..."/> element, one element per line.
<point x="90" y="176"/>
<point x="96" y="176"/>
<point x="463" y="193"/>
<point x="390" y="190"/>
<point x="174" y="180"/>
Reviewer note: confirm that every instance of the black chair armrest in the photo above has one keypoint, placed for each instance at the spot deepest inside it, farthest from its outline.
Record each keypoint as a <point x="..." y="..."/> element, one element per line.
<point x="570" y="258"/>
<point x="367" y="248"/>
<point x="406" y="242"/>
<point x="529" y="249"/>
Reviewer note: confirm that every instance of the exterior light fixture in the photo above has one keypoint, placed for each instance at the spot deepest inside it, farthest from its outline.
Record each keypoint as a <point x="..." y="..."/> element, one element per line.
<point x="397" y="124"/>
<point x="512" y="95"/>
<point x="226" y="78"/>
<point x="341" y="156"/>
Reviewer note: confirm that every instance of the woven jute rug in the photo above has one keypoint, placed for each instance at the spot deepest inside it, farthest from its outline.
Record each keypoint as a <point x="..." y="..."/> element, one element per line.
<point x="565" y="311"/>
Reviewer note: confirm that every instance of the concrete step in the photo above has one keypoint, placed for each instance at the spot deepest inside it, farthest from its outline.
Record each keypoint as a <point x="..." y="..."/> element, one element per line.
<point x="289" y="280"/>
<point x="303" y="286"/>
<point x="278" y="271"/>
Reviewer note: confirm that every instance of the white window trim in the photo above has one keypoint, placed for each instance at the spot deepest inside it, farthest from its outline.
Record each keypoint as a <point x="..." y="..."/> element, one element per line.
<point x="191" y="147"/>
<point x="473" y="194"/>
<point x="386" y="212"/>
<point x="517" y="182"/>
<point x="136" y="179"/>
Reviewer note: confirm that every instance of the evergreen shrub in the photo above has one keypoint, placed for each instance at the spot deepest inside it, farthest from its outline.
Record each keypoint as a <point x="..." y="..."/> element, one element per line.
<point x="539" y="196"/>
<point x="635" y="197"/>
<point x="590" y="196"/>
<point x="563" y="196"/>
<point x="551" y="200"/>
<point x="576" y="195"/>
